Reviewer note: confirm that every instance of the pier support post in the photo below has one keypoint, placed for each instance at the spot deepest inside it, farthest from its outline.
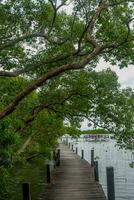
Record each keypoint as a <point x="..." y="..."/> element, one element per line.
<point x="54" y="158"/>
<point x="48" y="173"/>
<point x="66" y="140"/>
<point x="96" y="171"/>
<point x="110" y="183"/>
<point x="82" y="154"/>
<point x="76" y="151"/>
<point x="92" y="157"/>
<point x="72" y="147"/>
<point x="58" y="158"/>
<point x="26" y="191"/>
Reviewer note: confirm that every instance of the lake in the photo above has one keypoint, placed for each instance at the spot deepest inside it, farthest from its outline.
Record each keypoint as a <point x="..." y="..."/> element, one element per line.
<point x="107" y="155"/>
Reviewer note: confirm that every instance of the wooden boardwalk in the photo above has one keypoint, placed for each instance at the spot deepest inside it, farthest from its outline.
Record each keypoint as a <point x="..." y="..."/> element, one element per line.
<point x="73" y="180"/>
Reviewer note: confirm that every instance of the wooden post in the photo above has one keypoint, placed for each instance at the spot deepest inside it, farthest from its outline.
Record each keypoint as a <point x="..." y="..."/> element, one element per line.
<point x="76" y="150"/>
<point x="96" y="171"/>
<point x="26" y="191"/>
<point x="92" y="157"/>
<point x="69" y="145"/>
<point x="82" y="154"/>
<point x="110" y="183"/>
<point x="54" y="157"/>
<point x="66" y="141"/>
<point x="48" y="174"/>
<point x="72" y="147"/>
<point x="58" y="157"/>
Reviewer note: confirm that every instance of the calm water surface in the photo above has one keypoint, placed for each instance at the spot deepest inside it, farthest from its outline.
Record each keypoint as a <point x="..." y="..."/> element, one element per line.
<point x="107" y="155"/>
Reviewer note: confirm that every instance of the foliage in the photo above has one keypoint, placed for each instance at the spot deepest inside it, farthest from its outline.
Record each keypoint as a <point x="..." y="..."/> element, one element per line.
<point x="4" y="179"/>
<point x="32" y="172"/>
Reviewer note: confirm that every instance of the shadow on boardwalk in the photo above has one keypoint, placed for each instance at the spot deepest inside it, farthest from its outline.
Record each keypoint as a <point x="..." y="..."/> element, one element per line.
<point x="73" y="180"/>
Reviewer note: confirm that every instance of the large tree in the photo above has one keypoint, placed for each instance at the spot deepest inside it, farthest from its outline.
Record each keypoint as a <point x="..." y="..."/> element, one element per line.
<point x="46" y="67"/>
<point x="40" y="41"/>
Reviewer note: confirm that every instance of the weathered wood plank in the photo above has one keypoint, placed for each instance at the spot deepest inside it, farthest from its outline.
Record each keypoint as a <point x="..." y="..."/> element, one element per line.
<point x="73" y="180"/>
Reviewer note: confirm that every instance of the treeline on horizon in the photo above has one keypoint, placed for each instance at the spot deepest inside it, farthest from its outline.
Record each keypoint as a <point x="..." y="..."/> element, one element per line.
<point x="96" y="131"/>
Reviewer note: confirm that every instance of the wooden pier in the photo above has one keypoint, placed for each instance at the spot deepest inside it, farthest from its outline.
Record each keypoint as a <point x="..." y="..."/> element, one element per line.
<point x="73" y="180"/>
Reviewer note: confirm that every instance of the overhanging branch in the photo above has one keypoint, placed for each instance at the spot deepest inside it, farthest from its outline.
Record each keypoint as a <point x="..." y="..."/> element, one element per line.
<point x="42" y="80"/>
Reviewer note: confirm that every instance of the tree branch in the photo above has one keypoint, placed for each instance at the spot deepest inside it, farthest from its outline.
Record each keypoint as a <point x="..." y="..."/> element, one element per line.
<point x="53" y="73"/>
<point x="26" y="143"/>
<point x="36" y="110"/>
<point x="42" y="80"/>
<point x="21" y="38"/>
<point x="31" y="35"/>
<point x="96" y="16"/>
<point x="28" y="68"/>
<point x="88" y="30"/>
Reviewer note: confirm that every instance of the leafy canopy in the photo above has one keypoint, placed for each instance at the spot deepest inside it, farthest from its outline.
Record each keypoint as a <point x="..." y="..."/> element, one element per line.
<point x="47" y="74"/>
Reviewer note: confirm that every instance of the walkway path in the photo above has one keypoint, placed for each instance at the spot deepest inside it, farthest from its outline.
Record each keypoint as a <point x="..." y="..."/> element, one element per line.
<point x="73" y="180"/>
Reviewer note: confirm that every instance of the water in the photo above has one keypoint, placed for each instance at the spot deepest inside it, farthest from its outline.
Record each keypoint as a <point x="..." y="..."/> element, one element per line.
<point x="107" y="155"/>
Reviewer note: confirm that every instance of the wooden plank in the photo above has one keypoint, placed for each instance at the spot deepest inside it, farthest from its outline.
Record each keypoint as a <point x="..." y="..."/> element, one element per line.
<point x="73" y="180"/>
